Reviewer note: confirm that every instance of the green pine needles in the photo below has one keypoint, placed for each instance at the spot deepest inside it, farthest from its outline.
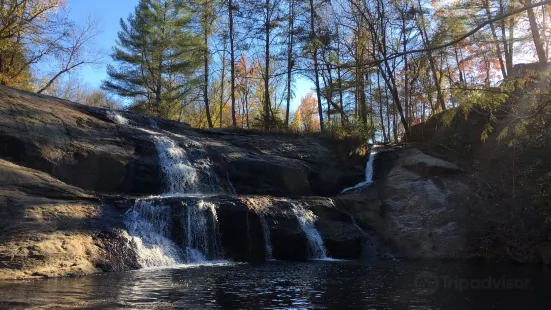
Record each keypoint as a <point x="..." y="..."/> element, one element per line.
<point x="156" y="59"/>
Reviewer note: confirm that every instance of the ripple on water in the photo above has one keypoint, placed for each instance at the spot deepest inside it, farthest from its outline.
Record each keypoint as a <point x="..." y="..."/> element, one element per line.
<point x="283" y="285"/>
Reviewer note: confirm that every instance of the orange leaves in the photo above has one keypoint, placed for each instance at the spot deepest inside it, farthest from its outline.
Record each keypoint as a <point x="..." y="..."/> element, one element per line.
<point x="306" y="116"/>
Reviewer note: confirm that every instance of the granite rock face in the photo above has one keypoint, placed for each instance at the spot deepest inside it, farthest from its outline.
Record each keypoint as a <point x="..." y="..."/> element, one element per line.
<point x="417" y="203"/>
<point x="69" y="173"/>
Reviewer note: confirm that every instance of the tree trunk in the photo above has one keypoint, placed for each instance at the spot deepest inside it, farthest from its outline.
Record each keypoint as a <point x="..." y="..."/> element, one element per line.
<point x="206" y="86"/>
<point x="381" y="106"/>
<point x="496" y="40"/>
<point x="426" y="42"/>
<point x="339" y="77"/>
<point x="315" y="57"/>
<point x="391" y="84"/>
<point x="267" y="105"/>
<point x="290" y="59"/>
<point x="536" y="35"/>
<point x="504" y="42"/>
<point x="222" y="81"/>
<point x="232" y="64"/>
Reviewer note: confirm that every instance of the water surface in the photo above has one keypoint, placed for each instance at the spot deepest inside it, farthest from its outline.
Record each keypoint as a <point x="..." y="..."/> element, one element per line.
<point x="284" y="285"/>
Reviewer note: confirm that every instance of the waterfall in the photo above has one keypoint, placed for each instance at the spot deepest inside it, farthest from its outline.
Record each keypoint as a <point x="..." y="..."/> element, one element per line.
<point x="180" y="175"/>
<point x="306" y="220"/>
<point x="261" y="205"/>
<point x="266" y="235"/>
<point x="151" y="225"/>
<point x="201" y="231"/>
<point x="117" y="118"/>
<point x="368" y="170"/>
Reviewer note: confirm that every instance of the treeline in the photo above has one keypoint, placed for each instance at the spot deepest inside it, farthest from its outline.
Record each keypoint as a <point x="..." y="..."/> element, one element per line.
<point x="378" y="66"/>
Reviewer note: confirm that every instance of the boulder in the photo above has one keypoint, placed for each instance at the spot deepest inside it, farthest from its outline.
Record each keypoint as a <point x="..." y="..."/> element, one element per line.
<point x="417" y="203"/>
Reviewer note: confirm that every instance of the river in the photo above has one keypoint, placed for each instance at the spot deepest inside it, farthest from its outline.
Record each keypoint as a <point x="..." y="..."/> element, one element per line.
<point x="286" y="285"/>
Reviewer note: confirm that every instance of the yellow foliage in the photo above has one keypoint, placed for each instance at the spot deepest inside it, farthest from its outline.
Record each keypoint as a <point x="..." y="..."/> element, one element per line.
<point x="21" y="20"/>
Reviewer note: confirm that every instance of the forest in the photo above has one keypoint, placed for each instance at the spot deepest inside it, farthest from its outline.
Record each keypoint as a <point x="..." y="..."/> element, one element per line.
<point x="375" y="68"/>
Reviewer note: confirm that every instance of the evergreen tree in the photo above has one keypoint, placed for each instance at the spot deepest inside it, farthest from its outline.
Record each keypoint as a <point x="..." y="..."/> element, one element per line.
<point x="157" y="55"/>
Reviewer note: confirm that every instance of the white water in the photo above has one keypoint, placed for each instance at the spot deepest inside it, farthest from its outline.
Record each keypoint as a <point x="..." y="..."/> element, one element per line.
<point x="368" y="171"/>
<point x="180" y="175"/>
<point x="267" y="237"/>
<point x="306" y="220"/>
<point x="117" y="118"/>
<point x="150" y="222"/>
<point x="261" y="205"/>
<point x="201" y="231"/>
<point x="149" y="226"/>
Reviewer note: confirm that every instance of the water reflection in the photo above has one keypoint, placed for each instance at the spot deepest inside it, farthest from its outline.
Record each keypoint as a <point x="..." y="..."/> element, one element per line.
<point x="280" y="285"/>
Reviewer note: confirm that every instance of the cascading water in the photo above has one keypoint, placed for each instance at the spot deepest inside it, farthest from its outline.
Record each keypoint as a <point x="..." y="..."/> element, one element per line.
<point x="368" y="170"/>
<point x="152" y="225"/>
<point x="180" y="175"/>
<point x="117" y="118"/>
<point x="267" y="237"/>
<point x="201" y="231"/>
<point x="261" y="205"/>
<point x="306" y="220"/>
<point x="150" y="222"/>
<point x="149" y="227"/>
<point x="183" y="177"/>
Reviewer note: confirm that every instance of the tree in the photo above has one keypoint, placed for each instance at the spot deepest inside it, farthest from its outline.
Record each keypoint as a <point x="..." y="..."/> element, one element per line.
<point x="205" y="10"/>
<point x="306" y="117"/>
<point x="540" y="51"/>
<point x="290" y="56"/>
<point x="71" y="52"/>
<point x="314" y="44"/>
<point x="231" y="8"/>
<point x="157" y="55"/>
<point x="36" y="32"/>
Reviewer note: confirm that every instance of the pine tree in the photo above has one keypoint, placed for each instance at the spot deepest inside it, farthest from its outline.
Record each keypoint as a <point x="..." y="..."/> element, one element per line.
<point x="157" y="54"/>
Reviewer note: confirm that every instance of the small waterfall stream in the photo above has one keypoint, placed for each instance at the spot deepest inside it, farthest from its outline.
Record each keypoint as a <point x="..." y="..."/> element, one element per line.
<point x="306" y="220"/>
<point x="117" y="118"/>
<point x="267" y="237"/>
<point x="368" y="170"/>
<point x="201" y="231"/>
<point x="261" y="205"/>
<point x="180" y="175"/>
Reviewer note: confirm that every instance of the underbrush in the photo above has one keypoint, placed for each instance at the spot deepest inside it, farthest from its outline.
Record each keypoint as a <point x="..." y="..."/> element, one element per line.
<point x="502" y="138"/>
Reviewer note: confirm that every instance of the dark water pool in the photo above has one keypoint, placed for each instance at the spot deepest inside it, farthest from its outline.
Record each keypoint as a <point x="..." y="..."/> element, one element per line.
<point x="281" y="285"/>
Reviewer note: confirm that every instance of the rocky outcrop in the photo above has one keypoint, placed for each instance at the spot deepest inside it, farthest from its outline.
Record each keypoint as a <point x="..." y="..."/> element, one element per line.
<point x="49" y="228"/>
<point x="69" y="173"/>
<point x="239" y="227"/>
<point x="83" y="147"/>
<point x="417" y="204"/>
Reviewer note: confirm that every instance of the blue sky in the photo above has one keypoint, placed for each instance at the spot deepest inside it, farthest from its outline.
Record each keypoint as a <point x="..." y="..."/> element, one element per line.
<point x="108" y="13"/>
